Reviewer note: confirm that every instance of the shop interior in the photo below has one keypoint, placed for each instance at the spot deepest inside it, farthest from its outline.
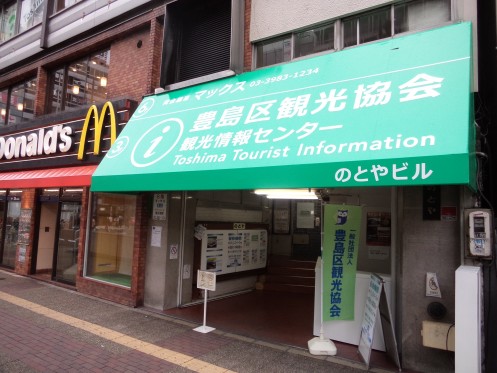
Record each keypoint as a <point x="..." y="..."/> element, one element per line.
<point x="275" y="303"/>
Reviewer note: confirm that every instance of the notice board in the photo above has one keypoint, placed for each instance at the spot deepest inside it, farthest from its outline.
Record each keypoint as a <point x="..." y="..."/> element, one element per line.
<point x="233" y="250"/>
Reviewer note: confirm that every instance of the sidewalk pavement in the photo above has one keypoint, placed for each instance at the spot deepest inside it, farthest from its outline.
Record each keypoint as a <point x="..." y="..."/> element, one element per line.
<point x="46" y="328"/>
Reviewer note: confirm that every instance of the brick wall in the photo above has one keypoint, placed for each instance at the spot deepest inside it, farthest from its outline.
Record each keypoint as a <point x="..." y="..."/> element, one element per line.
<point x="247" y="55"/>
<point x="155" y="54"/>
<point x="41" y="91"/>
<point x="128" y="71"/>
<point x="139" y="254"/>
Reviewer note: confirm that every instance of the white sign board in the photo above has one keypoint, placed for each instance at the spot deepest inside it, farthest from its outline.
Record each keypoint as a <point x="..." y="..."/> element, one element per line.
<point x="377" y="305"/>
<point x="369" y="317"/>
<point x="206" y="280"/>
<point x="159" y="207"/>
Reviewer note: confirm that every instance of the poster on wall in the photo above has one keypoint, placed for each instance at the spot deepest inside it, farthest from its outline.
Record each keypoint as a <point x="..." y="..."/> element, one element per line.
<point x="378" y="235"/>
<point x="305" y="215"/>
<point x="281" y="220"/>
<point x="342" y="225"/>
<point x="227" y="251"/>
<point x="24" y="226"/>
<point x="159" y="207"/>
<point x="156" y="238"/>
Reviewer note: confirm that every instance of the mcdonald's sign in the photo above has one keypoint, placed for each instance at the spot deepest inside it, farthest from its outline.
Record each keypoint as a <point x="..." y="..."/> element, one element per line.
<point x="93" y="117"/>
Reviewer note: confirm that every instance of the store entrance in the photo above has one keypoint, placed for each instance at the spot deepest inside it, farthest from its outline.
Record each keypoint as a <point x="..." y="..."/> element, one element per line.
<point x="46" y="239"/>
<point x="56" y="251"/>
<point x="67" y="244"/>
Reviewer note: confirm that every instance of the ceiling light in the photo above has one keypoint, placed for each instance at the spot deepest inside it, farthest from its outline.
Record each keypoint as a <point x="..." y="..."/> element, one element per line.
<point x="103" y="81"/>
<point x="287" y="193"/>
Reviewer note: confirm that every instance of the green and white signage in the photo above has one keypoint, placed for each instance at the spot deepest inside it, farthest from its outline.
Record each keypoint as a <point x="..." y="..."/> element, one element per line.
<point x="342" y="226"/>
<point x="394" y="112"/>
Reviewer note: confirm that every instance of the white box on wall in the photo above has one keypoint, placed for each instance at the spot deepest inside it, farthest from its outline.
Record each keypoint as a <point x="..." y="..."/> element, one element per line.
<point x="469" y="319"/>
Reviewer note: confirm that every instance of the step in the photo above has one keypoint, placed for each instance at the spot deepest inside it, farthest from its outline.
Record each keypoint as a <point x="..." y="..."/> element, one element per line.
<point x="287" y="279"/>
<point x="288" y="271"/>
<point x="289" y="288"/>
<point x="286" y="261"/>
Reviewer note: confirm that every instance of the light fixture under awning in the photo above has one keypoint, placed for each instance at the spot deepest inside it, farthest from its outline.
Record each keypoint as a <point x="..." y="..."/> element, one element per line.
<point x="397" y="112"/>
<point x="46" y="178"/>
<point x="287" y="193"/>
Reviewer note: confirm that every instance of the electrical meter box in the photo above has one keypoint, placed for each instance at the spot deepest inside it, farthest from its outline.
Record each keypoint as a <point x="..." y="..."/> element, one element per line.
<point x="479" y="233"/>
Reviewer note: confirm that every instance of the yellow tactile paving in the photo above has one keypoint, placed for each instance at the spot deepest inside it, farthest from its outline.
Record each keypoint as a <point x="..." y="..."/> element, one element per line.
<point x="165" y="354"/>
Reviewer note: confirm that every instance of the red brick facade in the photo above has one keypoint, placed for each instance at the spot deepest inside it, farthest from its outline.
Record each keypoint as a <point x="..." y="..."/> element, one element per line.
<point x="134" y="71"/>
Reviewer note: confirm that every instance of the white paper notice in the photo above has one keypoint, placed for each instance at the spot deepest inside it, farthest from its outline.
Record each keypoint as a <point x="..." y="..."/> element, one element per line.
<point x="156" y="236"/>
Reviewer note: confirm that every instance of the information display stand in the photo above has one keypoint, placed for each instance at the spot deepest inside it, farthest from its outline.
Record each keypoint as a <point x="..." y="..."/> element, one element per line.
<point x="377" y="301"/>
<point x="206" y="281"/>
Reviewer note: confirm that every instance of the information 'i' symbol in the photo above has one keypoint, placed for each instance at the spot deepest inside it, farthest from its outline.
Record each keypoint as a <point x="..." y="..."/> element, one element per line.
<point x="157" y="142"/>
<point x="150" y="152"/>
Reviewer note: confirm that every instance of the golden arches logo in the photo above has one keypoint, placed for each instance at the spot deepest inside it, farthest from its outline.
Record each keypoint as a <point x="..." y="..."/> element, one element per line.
<point x="98" y="125"/>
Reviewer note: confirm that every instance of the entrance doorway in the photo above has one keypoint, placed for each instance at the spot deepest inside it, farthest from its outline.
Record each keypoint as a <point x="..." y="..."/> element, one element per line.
<point x="56" y="251"/>
<point x="68" y="239"/>
<point x="46" y="238"/>
<point x="10" y="212"/>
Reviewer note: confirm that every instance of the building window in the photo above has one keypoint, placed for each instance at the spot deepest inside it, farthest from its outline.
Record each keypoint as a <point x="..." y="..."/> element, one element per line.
<point x="274" y="51"/>
<point x="63" y="4"/>
<point x="17" y="103"/>
<point x="110" y="250"/>
<point x="19" y="16"/>
<point x="81" y="83"/>
<point x="367" y="27"/>
<point x="8" y="25"/>
<point x="415" y="15"/>
<point x="31" y="14"/>
<point x="362" y="28"/>
<point x="299" y="44"/>
<point x="316" y="40"/>
<point x="192" y="55"/>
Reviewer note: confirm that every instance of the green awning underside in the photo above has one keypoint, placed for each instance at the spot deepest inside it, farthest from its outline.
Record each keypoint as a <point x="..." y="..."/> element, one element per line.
<point x="396" y="112"/>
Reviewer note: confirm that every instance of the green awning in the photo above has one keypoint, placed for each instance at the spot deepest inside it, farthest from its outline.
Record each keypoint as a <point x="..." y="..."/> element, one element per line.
<point x="396" y="112"/>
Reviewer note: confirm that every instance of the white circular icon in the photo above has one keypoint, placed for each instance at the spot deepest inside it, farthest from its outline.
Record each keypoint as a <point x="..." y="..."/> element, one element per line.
<point x="146" y="105"/>
<point x="118" y="147"/>
<point x="157" y="142"/>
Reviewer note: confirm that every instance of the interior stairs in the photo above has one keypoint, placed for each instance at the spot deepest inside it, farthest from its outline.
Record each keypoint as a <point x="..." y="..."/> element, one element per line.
<point x="285" y="274"/>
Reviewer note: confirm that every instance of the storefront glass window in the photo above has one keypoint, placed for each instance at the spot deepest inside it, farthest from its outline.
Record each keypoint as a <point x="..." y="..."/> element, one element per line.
<point x="11" y="228"/>
<point x="82" y="83"/>
<point x="110" y="250"/>
<point x="8" y="26"/>
<point x="3" y="196"/>
<point x="31" y="13"/>
<point x="57" y="91"/>
<point x="4" y="99"/>
<point x="22" y="102"/>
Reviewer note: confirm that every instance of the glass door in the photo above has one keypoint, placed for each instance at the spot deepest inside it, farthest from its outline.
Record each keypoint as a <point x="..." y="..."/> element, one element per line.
<point x="68" y="240"/>
<point x="11" y="233"/>
<point x="3" y="205"/>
